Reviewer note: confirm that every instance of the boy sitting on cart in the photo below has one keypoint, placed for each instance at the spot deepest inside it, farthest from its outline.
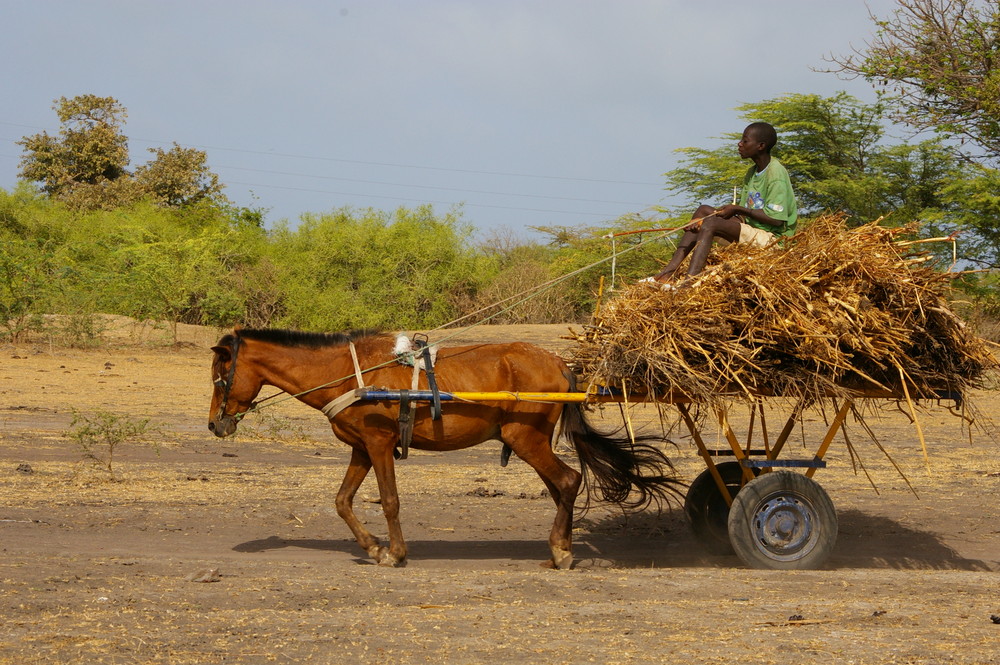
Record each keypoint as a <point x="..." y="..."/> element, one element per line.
<point x="766" y="208"/>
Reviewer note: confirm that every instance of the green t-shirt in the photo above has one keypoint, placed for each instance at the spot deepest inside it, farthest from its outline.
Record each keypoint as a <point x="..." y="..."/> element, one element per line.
<point x="770" y="191"/>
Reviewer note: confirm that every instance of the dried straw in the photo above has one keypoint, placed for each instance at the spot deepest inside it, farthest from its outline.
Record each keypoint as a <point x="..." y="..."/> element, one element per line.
<point x="836" y="312"/>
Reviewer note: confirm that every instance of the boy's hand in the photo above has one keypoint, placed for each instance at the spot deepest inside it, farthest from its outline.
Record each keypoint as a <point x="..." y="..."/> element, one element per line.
<point x="727" y="211"/>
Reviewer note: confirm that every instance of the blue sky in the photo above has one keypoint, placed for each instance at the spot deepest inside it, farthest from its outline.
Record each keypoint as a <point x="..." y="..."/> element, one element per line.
<point x="563" y="112"/>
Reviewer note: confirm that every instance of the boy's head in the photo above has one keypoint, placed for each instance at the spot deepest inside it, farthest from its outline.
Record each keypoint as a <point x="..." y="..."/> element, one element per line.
<point x="762" y="132"/>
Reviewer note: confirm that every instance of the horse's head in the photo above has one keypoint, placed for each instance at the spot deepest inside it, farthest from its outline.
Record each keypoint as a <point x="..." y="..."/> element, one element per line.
<point x="233" y="391"/>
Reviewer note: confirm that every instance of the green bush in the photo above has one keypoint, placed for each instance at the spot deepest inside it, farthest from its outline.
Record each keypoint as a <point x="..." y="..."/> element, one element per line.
<point x="99" y="436"/>
<point x="371" y="269"/>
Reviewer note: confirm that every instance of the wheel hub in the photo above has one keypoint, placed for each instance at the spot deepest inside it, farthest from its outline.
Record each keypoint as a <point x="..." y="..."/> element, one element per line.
<point x="784" y="527"/>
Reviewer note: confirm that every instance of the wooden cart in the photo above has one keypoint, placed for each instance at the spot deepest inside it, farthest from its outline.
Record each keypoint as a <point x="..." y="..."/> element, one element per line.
<point x="765" y="508"/>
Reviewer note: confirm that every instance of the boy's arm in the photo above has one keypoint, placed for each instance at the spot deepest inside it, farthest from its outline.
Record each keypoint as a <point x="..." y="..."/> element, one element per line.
<point x="757" y="215"/>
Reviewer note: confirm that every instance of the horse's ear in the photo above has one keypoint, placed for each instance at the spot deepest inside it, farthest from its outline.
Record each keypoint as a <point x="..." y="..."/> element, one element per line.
<point x="224" y="352"/>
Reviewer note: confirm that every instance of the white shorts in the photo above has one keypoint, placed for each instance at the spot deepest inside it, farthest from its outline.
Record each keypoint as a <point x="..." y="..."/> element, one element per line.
<point x="753" y="236"/>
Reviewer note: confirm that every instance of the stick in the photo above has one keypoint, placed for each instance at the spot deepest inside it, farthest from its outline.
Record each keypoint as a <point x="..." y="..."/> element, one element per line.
<point x="628" y="233"/>
<point x="668" y="230"/>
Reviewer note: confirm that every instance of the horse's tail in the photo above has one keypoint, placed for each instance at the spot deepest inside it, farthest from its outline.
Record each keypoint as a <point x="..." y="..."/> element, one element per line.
<point x="632" y="474"/>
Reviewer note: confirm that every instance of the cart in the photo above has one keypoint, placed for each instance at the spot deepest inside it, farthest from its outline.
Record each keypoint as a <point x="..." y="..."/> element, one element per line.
<point x="749" y="500"/>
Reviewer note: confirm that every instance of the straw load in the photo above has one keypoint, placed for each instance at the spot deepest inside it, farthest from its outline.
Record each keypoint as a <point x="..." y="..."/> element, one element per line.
<point x="835" y="312"/>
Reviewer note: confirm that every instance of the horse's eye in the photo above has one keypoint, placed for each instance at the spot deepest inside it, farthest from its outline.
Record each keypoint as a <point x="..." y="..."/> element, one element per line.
<point x="220" y="383"/>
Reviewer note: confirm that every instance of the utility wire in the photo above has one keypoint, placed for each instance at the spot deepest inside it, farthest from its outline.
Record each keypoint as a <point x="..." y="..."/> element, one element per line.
<point x="399" y="184"/>
<point x="410" y="198"/>
<point x="272" y="153"/>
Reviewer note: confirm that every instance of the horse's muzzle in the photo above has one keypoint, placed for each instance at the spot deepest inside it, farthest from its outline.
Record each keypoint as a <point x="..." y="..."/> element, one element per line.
<point x="221" y="427"/>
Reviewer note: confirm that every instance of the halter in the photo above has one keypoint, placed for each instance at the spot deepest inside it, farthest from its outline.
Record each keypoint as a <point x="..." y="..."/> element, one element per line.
<point x="227" y="383"/>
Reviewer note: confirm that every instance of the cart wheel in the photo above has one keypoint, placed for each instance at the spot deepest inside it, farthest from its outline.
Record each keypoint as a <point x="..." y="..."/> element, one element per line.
<point x="783" y="521"/>
<point x="707" y="509"/>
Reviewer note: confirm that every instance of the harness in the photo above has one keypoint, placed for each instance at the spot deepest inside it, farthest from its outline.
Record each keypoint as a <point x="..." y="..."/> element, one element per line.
<point x="422" y="354"/>
<point x="405" y="355"/>
<point x="420" y="341"/>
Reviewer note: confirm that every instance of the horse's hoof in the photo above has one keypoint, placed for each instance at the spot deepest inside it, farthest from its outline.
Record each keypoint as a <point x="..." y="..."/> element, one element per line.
<point x="383" y="557"/>
<point x="389" y="560"/>
<point x="562" y="559"/>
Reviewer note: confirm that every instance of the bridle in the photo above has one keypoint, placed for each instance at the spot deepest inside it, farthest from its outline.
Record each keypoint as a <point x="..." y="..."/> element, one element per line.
<point x="227" y="383"/>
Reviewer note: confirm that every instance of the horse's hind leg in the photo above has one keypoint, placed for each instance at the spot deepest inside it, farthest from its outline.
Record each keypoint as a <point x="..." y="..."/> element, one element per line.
<point x="357" y="470"/>
<point x="532" y="444"/>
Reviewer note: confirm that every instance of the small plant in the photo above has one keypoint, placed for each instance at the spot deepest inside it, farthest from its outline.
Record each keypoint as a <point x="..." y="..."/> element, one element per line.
<point x="82" y="329"/>
<point x="99" y="436"/>
<point x="266" y="425"/>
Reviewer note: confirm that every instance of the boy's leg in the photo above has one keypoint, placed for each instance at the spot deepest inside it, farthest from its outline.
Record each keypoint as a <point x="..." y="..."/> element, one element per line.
<point x="684" y="246"/>
<point x="711" y="228"/>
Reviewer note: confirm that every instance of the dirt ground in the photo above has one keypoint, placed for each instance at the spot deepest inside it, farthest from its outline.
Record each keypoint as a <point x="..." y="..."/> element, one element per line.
<point x="101" y="571"/>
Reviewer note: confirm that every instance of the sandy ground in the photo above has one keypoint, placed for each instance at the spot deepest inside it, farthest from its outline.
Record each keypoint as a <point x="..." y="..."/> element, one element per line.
<point x="101" y="571"/>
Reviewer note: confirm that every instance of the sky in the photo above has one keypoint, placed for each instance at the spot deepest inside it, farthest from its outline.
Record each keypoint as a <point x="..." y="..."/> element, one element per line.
<point x="516" y="113"/>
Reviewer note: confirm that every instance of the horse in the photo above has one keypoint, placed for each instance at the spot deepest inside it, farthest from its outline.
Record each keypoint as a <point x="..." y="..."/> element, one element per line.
<point x="620" y="470"/>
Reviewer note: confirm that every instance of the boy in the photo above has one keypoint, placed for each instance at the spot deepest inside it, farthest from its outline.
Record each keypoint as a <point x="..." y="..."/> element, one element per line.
<point x="766" y="209"/>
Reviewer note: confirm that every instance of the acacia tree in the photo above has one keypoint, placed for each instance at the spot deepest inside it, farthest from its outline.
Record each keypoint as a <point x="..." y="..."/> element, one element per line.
<point x="836" y="158"/>
<point x="86" y="165"/>
<point x="374" y="269"/>
<point x="825" y="142"/>
<point x="938" y="65"/>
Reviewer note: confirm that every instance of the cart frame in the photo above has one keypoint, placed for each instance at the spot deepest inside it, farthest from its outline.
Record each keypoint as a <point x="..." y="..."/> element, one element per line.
<point x="769" y="516"/>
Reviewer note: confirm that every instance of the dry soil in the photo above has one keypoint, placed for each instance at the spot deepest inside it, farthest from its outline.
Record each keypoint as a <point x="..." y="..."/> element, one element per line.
<point x="203" y="550"/>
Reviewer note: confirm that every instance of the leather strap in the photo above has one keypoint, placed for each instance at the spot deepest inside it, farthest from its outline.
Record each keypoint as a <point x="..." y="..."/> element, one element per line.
<point x="405" y="424"/>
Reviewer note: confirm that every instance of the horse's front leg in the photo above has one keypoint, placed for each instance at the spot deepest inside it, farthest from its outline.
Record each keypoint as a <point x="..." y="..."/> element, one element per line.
<point x="357" y="470"/>
<point x="382" y="461"/>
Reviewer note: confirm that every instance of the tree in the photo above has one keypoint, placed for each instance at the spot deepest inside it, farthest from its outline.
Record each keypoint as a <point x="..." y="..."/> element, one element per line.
<point x="178" y="177"/>
<point x="597" y="254"/>
<point x="938" y="62"/>
<point x="836" y="157"/>
<point x="25" y="283"/>
<point x="31" y="267"/>
<point x="90" y="151"/>
<point x="86" y="166"/>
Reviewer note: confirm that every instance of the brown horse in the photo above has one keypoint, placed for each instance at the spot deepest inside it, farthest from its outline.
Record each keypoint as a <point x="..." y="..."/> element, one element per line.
<point x="630" y="474"/>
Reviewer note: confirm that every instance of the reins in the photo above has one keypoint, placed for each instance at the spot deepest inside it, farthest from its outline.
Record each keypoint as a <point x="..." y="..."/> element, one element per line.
<point x="537" y="290"/>
<point x="256" y="404"/>
<point x="527" y="294"/>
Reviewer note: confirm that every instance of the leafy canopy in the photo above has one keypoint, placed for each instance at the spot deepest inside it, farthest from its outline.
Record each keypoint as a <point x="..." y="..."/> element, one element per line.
<point x="834" y="150"/>
<point x="86" y="165"/>
<point x="938" y="64"/>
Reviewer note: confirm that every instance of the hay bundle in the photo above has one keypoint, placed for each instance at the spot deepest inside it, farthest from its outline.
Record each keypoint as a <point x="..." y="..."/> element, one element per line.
<point x="834" y="312"/>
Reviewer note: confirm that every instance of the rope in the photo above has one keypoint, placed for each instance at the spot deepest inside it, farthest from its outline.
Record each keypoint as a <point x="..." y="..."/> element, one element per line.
<point x="527" y="293"/>
<point x="544" y="286"/>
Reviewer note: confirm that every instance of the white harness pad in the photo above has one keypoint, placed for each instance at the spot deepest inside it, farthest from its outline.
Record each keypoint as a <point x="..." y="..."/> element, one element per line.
<point x="407" y="354"/>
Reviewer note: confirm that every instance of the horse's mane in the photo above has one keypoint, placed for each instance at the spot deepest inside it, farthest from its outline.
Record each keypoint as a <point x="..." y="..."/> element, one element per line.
<point x="306" y="339"/>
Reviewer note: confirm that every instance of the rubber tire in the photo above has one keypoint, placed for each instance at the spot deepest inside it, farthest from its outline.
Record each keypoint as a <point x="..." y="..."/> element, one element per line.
<point x="708" y="511"/>
<point x="796" y="505"/>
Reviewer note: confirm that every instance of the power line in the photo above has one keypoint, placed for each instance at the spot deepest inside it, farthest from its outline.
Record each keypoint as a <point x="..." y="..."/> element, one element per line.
<point x="411" y="199"/>
<point x="393" y="184"/>
<point x="410" y="166"/>
<point x="370" y="163"/>
<point x="449" y="189"/>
